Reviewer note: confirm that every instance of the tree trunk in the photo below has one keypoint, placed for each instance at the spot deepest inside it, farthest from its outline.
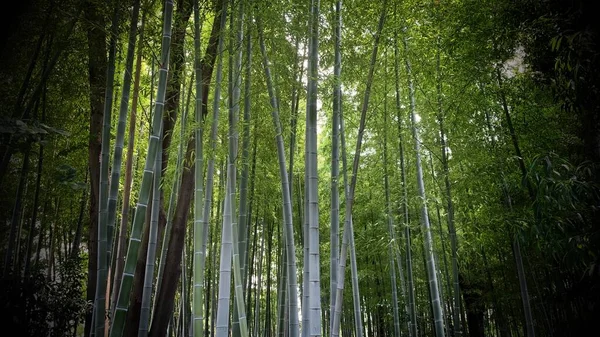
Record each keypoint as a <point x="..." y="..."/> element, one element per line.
<point x="348" y="236"/>
<point x="240" y="327"/>
<point x="104" y="232"/>
<point x="313" y="287"/>
<point x="172" y="271"/>
<point x="285" y="190"/>
<point x="199" y="231"/>
<point x="409" y="306"/>
<point x="259" y="281"/>
<point x="172" y="96"/>
<point x="140" y="211"/>
<point x="532" y="195"/>
<point x="222" y="326"/>
<point x="97" y="63"/>
<point x="427" y="240"/>
<point x="390" y="219"/>
<point x="145" y="308"/>
<point x="135" y="298"/>
<point x="120" y="137"/>
<point x="335" y="170"/>
<point x="175" y="186"/>
<point x="449" y="204"/>
<point x="122" y="237"/>
<point x="267" y="328"/>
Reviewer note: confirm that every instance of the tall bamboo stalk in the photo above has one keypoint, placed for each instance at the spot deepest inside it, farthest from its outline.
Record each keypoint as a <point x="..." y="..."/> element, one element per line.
<point x="314" y="276"/>
<point x="222" y="320"/>
<point x="335" y="170"/>
<point x="239" y="313"/>
<point x="240" y="327"/>
<point x="243" y="219"/>
<point x="456" y="299"/>
<point x="152" y="243"/>
<point x="532" y="195"/>
<point x="120" y="139"/>
<point x="103" y="256"/>
<point x="390" y="218"/>
<point x="348" y="238"/>
<point x="118" y="323"/>
<point x="427" y="240"/>
<point x="199" y="231"/>
<point x="122" y="237"/>
<point x="410" y="310"/>
<point x="287" y="204"/>
<point x="175" y="186"/>
<point x="259" y="282"/>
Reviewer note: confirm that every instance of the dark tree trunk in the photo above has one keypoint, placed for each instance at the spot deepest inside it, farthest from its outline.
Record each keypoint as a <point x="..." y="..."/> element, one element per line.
<point x="97" y="63"/>
<point x="173" y="94"/>
<point x="176" y="60"/>
<point x="172" y="271"/>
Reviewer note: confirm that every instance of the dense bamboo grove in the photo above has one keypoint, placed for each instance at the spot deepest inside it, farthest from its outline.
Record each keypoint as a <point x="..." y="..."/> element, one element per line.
<point x="254" y="168"/>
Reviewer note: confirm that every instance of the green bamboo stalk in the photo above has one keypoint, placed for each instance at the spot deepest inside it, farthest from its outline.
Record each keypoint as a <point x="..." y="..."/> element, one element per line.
<point x="248" y="170"/>
<point x="222" y="325"/>
<point x="184" y="295"/>
<point x="390" y="218"/>
<point x="103" y="256"/>
<point x="200" y="231"/>
<point x="446" y="273"/>
<point x="222" y="320"/>
<point x="259" y="281"/>
<point x="174" y="188"/>
<point x="152" y="242"/>
<point x="335" y="170"/>
<point x="314" y="276"/>
<point x="122" y="237"/>
<point x="239" y="316"/>
<point x="287" y="205"/>
<point x="427" y="240"/>
<point x="456" y="300"/>
<point x="120" y="139"/>
<point x="243" y="213"/>
<point x="118" y="323"/>
<point x="282" y="295"/>
<point x="529" y="327"/>
<point x="410" y="310"/>
<point x="250" y="262"/>
<point x="235" y="56"/>
<point x="348" y="238"/>
<point x="239" y="290"/>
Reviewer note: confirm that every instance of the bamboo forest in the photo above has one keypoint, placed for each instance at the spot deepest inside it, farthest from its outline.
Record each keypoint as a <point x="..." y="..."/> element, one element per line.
<point x="300" y="168"/>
